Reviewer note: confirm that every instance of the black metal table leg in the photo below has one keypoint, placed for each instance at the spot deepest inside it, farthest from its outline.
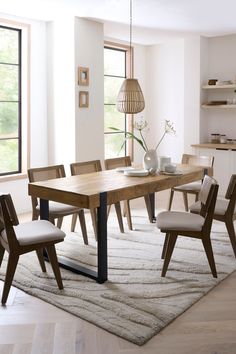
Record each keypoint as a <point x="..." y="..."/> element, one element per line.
<point x="44" y="209"/>
<point x="101" y="275"/>
<point x="152" y="202"/>
<point x="102" y="238"/>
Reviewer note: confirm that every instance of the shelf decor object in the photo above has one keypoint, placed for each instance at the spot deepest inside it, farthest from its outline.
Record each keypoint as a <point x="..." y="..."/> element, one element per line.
<point x="130" y="98"/>
<point x="218" y="87"/>
<point x="83" y="99"/>
<point x="83" y="76"/>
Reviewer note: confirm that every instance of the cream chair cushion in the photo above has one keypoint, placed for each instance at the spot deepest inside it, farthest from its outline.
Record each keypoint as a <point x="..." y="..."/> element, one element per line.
<point x="174" y="220"/>
<point x="36" y="231"/>
<point x="194" y="186"/>
<point x="59" y="208"/>
<point x="220" y="208"/>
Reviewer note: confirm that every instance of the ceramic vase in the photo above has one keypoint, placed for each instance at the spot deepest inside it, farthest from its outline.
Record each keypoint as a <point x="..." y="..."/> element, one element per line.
<point x="150" y="161"/>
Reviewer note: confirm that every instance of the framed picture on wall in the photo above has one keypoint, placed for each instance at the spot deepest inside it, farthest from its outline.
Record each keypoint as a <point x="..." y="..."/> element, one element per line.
<point x="83" y="76"/>
<point x="83" y="99"/>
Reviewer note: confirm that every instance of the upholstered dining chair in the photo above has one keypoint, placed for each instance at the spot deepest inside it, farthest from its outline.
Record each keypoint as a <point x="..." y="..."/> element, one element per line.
<point x="125" y="161"/>
<point x="225" y="210"/>
<point x="193" y="187"/>
<point x="79" y="168"/>
<point x="18" y="239"/>
<point x="56" y="210"/>
<point x="177" y="223"/>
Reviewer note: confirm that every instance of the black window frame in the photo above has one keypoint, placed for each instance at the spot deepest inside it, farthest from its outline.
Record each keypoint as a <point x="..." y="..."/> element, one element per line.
<point x="19" y="101"/>
<point x="106" y="46"/>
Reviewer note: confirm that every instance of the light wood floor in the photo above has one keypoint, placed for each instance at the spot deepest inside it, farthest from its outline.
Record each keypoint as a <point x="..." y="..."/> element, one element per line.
<point x="29" y="325"/>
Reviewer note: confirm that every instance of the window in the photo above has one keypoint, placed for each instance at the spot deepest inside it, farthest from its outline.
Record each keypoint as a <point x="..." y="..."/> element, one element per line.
<point x="14" y="99"/>
<point x="10" y="100"/>
<point x="115" y="60"/>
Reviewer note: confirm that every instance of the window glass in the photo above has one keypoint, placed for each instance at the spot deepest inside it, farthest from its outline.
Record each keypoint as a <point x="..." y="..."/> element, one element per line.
<point x="8" y="119"/>
<point x="114" y="145"/>
<point x="114" y="62"/>
<point x="9" y="156"/>
<point x="9" y="46"/>
<point x="9" y="79"/>
<point x="113" y="118"/>
<point x="112" y="86"/>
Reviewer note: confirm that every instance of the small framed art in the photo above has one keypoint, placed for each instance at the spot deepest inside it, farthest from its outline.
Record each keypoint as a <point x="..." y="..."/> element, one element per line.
<point x="83" y="99"/>
<point x="83" y="76"/>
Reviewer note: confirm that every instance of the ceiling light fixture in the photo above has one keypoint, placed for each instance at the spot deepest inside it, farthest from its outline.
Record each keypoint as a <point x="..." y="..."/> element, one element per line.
<point x="130" y="99"/>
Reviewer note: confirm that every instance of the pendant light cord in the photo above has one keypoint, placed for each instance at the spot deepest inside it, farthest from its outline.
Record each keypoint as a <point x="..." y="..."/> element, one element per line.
<point x="130" y="38"/>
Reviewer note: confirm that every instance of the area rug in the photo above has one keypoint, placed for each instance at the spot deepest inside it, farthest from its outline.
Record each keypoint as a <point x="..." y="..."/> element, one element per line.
<point x="136" y="303"/>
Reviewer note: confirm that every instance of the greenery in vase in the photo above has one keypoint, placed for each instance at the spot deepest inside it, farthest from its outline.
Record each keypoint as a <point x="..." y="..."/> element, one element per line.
<point x="141" y="126"/>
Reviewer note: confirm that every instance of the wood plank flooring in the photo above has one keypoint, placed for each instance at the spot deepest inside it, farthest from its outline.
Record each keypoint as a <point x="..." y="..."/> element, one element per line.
<point x="30" y="326"/>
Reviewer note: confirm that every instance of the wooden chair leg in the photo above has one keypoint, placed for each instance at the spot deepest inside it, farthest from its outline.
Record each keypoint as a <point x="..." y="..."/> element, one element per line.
<point x="169" y="250"/>
<point x="83" y="226"/>
<point x="231" y="231"/>
<point x="2" y="251"/>
<point x="210" y="256"/>
<point x="41" y="259"/>
<point x="196" y="197"/>
<point x="185" y="198"/>
<point x="124" y="210"/>
<point x="35" y="215"/>
<point x="128" y="214"/>
<point x="119" y="216"/>
<point x="108" y="210"/>
<point x="59" y="222"/>
<point x="54" y="263"/>
<point x="73" y="222"/>
<point x="165" y="246"/>
<point x="171" y="198"/>
<point x="93" y="213"/>
<point x="52" y="220"/>
<point x="11" y="268"/>
<point x="149" y="208"/>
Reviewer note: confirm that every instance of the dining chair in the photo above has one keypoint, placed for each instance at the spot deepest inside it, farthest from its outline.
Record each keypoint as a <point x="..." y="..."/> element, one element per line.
<point x="126" y="162"/>
<point x="56" y="210"/>
<point x="79" y="168"/>
<point x="177" y="223"/>
<point x="193" y="187"/>
<point x="18" y="239"/>
<point x="225" y="210"/>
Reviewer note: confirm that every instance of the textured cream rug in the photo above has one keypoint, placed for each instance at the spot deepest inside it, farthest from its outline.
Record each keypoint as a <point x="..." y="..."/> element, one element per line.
<point x="136" y="303"/>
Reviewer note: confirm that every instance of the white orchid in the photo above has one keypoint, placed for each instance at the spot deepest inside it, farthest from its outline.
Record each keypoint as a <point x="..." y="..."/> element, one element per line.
<point x="141" y="126"/>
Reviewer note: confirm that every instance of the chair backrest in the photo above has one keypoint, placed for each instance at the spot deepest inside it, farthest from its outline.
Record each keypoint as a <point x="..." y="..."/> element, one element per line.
<point x="8" y="218"/>
<point x="203" y="161"/>
<point x="207" y="197"/>
<point x="231" y="195"/>
<point x="111" y="164"/>
<point x="80" y="168"/>
<point x="44" y="173"/>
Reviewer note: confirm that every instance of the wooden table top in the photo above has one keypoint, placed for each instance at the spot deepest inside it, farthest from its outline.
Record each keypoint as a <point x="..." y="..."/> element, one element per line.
<point x="83" y="190"/>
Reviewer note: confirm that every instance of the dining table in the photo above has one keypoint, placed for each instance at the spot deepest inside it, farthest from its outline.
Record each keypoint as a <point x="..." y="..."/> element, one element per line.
<point x="100" y="189"/>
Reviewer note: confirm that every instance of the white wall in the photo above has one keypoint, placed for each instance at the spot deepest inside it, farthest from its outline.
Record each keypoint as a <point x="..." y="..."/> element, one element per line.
<point x="140" y="74"/>
<point x="61" y="97"/>
<point x="165" y="96"/>
<point x="191" y="92"/>
<point x="89" y="125"/>
<point x="38" y="115"/>
<point x="203" y="120"/>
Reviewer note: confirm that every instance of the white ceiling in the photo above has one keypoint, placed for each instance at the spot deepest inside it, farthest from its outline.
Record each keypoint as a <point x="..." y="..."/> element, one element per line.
<point x="153" y="20"/>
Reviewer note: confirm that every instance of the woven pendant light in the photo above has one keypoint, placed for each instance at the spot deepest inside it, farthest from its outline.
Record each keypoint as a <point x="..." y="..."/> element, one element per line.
<point x="130" y="98"/>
